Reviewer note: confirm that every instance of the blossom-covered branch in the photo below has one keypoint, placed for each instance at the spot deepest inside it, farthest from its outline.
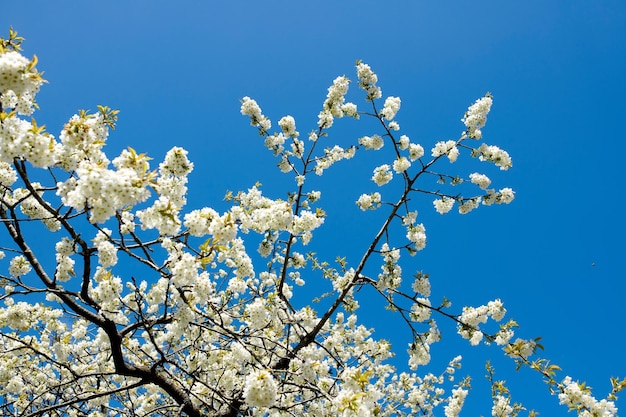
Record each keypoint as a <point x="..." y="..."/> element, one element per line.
<point x="119" y="300"/>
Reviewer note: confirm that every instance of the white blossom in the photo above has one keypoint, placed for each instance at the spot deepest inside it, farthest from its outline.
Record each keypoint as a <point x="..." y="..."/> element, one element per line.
<point x="332" y="156"/>
<point x="391" y="107"/>
<point x="576" y="396"/>
<point x="447" y="148"/>
<point x="476" y="116"/>
<point x="496" y="155"/>
<point x="421" y="285"/>
<point x="382" y="175"/>
<point x="19" y="82"/>
<point x="369" y="201"/>
<point x="288" y="125"/>
<point x="403" y="143"/>
<point x="420" y="310"/>
<point x="19" y="266"/>
<point x="260" y="389"/>
<point x="455" y="402"/>
<point x="8" y="176"/>
<point x="391" y="273"/>
<point x="401" y="164"/>
<point x="107" y="252"/>
<point x="416" y="151"/>
<point x="393" y="125"/>
<point x="443" y="205"/>
<point x="417" y="235"/>
<point x="469" y="205"/>
<point x="334" y="104"/>
<point x="372" y="142"/>
<point x="506" y="195"/>
<point x="501" y="407"/>
<point x="249" y="107"/>
<point x="480" y="179"/>
<point x="367" y="81"/>
<point x="350" y="110"/>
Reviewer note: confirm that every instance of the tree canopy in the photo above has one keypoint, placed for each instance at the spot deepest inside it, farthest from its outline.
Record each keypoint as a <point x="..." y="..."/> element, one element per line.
<point x="120" y="300"/>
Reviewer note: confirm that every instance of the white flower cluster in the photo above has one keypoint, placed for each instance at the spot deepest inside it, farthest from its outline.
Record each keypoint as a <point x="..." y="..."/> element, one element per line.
<point x="260" y="389"/>
<point x="349" y="403"/>
<point x="207" y="221"/>
<point x="391" y="107"/>
<point x="257" y="314"/>
<point x="419" y="354"/>
<point x="176" y="163"/>
<point x="391" y="275"/>
<point x="107" y="252"/>
<point x="288" y="125"/>
<point x="420" y="310"/>
<point x="19" y="266"/>
<point x="102" y="190"/>
<point x="503" y="196"/>
<point x="275" y="143"/>
<point x="350" y="110"/>
<point x="374" y="142"/>
<point x="494" y="154"/>
<point x="455" y="402"/>
<point x="19" y="82"/>
<point x="263" y="214"/>
<point x="469" y="205"/>
<point x="520" y="348"/>
<point x="416" y="151"/>
<point x="332" y="156"/>
<point x="401" y="164"/>
<point x="163" y="215"/>
<point x="578" y="397"/>
<point x="305" y="222"/>
<point x="23" y="316"/>
<point x="19" y="138"/>
<point x="444" y="204"/>
<point x="8" y="176"/>
<point x="107" y="292"/>
<point x="416" y="233"/>
<point x="341" y="281"/>
<point x="474" y="119"/>
<point x="404" y="142"/>
<point x="30" y="206"/>
<point x="83" y="137"/>
<point x="367" y="81"/>
<point x="250" y="108"/>
<point x="476" y="116"/>
<point x="421" y="285"/>
<point x="447" y="148"/>
<point x="369" y="201"/>
<point x="422" y="393"/>
<point x="501" y="407"/>
<point x="65" y="264"/>
<point x="382" y="175"/>
<point x="481" y="180"/>
<point x="473" y="317"/>
<point x="127" y="224"/>
<point x="334" y="105"/>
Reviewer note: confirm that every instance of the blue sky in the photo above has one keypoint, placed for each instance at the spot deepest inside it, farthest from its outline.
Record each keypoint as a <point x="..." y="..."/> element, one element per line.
<point x="555" y="256"/>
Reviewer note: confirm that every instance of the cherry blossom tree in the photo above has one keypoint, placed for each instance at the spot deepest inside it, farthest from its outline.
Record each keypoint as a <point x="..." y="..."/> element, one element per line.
<point x="119" y="300"/>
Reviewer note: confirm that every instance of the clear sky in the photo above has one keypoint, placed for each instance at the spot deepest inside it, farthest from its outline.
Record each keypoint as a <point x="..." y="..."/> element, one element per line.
<point x="555" y="256"/>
